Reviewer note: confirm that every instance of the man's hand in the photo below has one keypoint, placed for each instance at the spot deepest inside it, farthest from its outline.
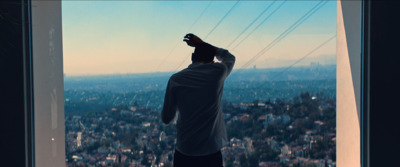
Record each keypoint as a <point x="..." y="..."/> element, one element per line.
<point x="192" y="40"/>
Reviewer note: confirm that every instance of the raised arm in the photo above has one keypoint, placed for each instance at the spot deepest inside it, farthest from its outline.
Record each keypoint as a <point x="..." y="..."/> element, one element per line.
<point x="222" y="55"/>
<point x="226" y="58"/>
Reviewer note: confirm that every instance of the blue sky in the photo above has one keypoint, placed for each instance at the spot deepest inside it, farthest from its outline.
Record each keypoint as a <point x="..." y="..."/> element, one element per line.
<point x="108" y="37"/>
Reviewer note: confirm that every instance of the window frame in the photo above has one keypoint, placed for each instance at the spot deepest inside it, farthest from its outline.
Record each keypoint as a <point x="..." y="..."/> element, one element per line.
<point x="30" y="100"/>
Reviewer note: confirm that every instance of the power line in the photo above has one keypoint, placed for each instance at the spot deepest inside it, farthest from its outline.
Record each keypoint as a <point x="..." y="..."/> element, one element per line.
<point x="244" y="30"/>
<point x="285" y="33"/>
<point x="259" y="25"/>
<point x="299" y="22"/>
<point x="180" y="64"/>
<point x="190" y="28"/>
<point x="202" y="13"/>
<point x="220" y="21"/>
<point x="302" y="58"/>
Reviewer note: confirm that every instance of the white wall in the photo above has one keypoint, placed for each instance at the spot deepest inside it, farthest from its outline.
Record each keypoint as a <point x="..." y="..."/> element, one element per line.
<point x="348" y="83"/>
<point x="48" y="84"/>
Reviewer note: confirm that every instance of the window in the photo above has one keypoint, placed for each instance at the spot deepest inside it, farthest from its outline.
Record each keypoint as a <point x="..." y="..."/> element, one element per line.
<point x="123" y="106"/>
<point x="281" y="110"/>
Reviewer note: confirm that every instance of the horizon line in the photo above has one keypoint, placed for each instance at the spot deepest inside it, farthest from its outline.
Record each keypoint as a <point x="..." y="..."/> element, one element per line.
<point x="163" y="72"/>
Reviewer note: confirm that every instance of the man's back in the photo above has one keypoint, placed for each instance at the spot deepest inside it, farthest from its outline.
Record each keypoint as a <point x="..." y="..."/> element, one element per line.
<point x="196" y="92"/>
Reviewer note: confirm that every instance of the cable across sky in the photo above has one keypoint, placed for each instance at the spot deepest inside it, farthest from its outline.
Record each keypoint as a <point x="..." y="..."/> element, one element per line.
<point x="189" y="29"/>
<point x="259" y="25"/>
<point x="215" y="27"/>
<point x="300" y="59"/>
<point x="248" y="26"/>
<point x="222" y="19"/>
<point x="146" y="37"/>
<point x="283" y="35"/>
<point x="296" y="24"/>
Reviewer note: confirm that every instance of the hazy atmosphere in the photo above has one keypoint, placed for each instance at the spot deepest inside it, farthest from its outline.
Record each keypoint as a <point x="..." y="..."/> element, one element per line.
<point x="102" y="37"/>
<point x="278" y="104"/>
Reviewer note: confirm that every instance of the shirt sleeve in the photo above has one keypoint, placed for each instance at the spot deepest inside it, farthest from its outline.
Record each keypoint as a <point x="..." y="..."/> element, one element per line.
<point x="170" y="105"/>
<point x="226" y="58"/>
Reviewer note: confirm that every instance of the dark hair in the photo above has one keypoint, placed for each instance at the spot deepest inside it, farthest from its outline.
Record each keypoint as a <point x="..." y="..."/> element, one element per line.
<point x="204" y="52"/>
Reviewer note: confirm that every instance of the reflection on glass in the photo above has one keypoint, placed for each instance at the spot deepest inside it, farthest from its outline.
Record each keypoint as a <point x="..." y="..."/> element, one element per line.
<point x="279" y="103"/>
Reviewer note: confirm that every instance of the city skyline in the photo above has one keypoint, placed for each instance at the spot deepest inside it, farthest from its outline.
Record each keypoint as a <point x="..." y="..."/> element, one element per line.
<point x="115" y="120"/>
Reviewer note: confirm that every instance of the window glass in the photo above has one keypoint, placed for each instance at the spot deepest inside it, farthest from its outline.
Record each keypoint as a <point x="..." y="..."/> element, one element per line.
<point x="279" y="102"/>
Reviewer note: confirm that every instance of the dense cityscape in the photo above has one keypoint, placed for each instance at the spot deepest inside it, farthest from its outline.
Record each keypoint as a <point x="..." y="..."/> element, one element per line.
<point x="283" y="122"/>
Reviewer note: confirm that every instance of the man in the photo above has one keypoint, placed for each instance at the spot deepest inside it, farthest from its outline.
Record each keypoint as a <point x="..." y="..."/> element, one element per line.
<point x="195" y="92"/>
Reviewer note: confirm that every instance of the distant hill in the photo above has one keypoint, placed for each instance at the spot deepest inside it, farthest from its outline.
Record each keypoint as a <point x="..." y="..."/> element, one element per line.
<point x="312" y="72"/>
<point x="98" y="93"/>
<point x="156" y="81"/>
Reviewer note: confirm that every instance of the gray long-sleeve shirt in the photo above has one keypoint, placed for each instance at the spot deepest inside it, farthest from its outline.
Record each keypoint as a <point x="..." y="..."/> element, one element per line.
<point x="196" y="92"/>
